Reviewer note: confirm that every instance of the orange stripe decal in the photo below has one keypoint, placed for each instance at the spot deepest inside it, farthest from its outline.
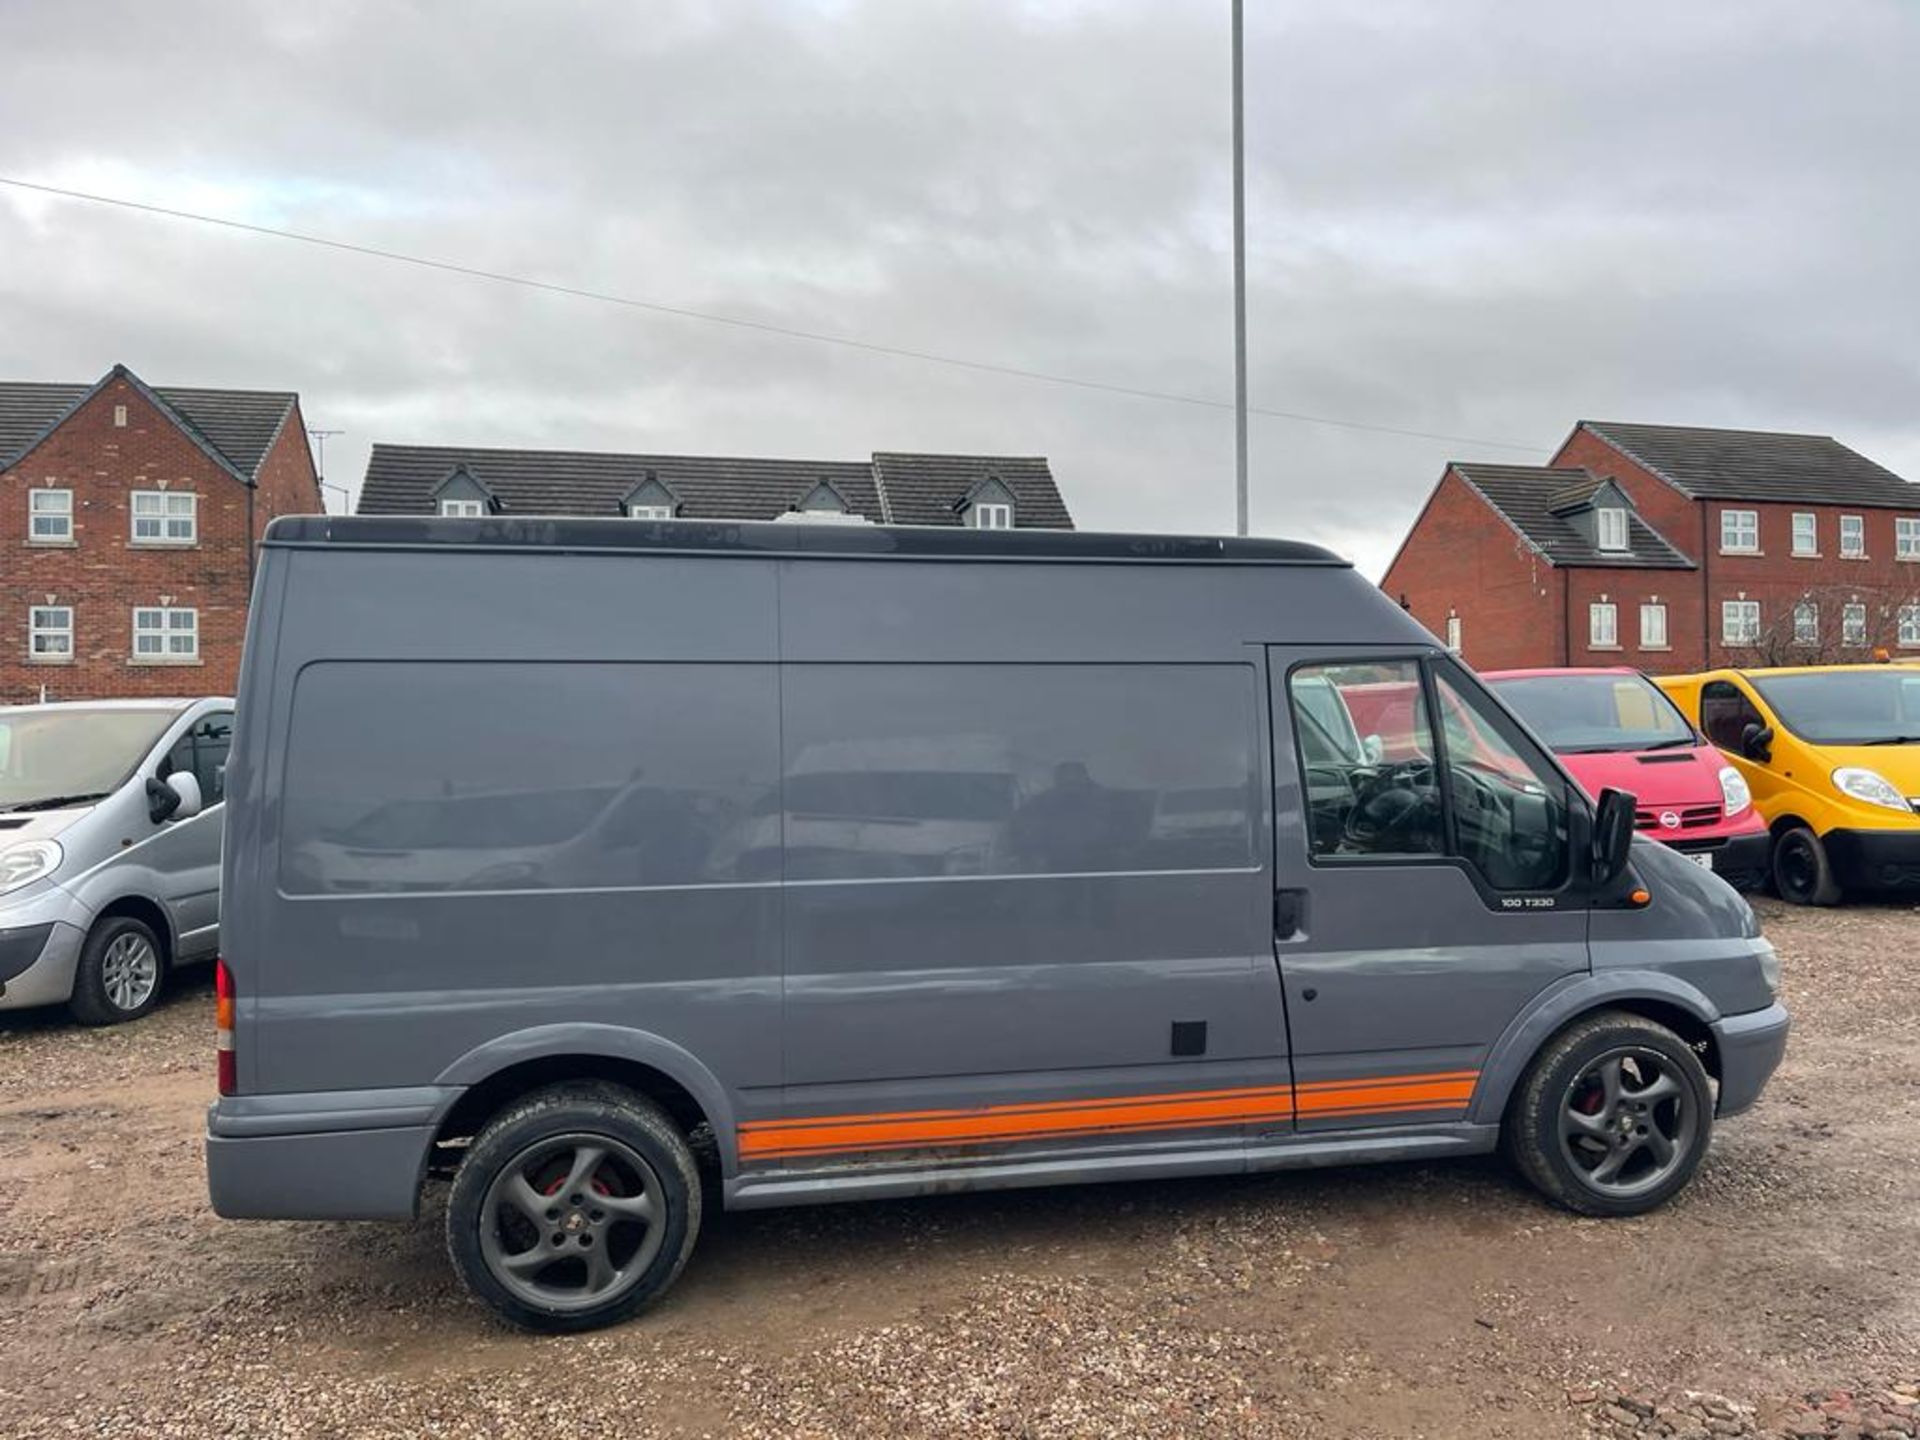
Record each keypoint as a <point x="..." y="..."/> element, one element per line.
<point x="1116" y="1115"/>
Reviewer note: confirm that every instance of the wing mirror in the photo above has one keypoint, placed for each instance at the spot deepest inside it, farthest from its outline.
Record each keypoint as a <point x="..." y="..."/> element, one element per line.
<point x="1373" y="749"/>
<point x="1756" y="742"/>
<point x="175" y="798"/>
<point x="1612" y="835"/>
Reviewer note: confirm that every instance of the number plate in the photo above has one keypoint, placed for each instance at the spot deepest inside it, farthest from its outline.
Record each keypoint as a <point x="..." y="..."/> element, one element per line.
<point x="1704" y="859"/>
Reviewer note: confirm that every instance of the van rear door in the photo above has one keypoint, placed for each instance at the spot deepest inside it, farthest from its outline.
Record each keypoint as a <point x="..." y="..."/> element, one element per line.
<point x="1426" y="890"/>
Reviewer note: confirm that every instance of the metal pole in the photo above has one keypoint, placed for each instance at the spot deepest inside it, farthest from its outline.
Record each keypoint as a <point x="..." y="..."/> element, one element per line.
<point x="1239" y="286"/>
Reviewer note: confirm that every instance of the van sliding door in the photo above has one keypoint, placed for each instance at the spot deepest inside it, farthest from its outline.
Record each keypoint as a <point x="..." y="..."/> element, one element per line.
<point x="1027" y="908"/>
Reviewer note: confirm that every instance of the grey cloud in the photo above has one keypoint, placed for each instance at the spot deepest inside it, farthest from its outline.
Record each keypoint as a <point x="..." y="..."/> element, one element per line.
<point x="1478" y="219"/>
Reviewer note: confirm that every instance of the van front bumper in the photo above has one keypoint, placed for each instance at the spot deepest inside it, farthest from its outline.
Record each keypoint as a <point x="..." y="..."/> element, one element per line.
<point x="340" y="1155"/>
<point x="37" y="964"/>
<point x="1874" y="859"/>
<point x="1750" y="1047"/>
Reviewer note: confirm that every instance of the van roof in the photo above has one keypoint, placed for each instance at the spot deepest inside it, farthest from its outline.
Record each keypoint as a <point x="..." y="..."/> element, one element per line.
<point x="770" y="538"/>
<point x="1762" y="670"/>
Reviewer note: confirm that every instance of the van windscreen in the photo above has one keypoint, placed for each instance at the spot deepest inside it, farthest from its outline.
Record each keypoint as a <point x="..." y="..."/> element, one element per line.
<point x="1590" y="714"/>
<point x="73" y="755"/>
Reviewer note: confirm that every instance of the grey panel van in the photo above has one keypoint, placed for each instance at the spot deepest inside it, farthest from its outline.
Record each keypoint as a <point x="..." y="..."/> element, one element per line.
<point x="566" y="858"/>
<point x="109" y="850"/>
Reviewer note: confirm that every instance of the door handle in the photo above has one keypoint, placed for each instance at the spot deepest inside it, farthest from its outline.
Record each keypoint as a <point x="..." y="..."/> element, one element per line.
<point x="1289" y="909"/>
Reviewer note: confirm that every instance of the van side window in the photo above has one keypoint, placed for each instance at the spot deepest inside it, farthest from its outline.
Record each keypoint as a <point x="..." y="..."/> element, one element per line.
<point x="1725" y="713"/>
<point x="905" y="771"/>
<point x="1509" y="810"/>
<point x="202" y="753"/>
<point x="1375" y="796"/>
<point x="529" y="776"/>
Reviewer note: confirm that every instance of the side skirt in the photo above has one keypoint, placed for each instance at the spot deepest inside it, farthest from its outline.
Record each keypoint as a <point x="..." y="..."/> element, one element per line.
<point x="770" y="1188"/>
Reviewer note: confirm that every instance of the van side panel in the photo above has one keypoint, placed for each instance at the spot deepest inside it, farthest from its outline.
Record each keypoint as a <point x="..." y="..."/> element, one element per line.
<point x="511" y="794"/>
<point x="1034" y="889"/>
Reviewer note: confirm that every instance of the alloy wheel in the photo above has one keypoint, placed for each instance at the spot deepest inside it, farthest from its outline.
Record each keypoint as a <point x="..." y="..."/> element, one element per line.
<point x="1628" y="1122"/>
<point x="572" y="1222"/>
<point x="129" y="971"/>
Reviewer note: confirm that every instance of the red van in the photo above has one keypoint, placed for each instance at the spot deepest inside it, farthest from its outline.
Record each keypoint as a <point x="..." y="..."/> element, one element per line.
<point x="1614" y="727"/>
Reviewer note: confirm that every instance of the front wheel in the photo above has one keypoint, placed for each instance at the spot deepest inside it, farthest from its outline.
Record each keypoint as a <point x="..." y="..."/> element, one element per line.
<point x="1801" y="871"/>
<point x="574" y="1209"/>
<point x="1613" y="1117"/>
<point x="120" y="973"/>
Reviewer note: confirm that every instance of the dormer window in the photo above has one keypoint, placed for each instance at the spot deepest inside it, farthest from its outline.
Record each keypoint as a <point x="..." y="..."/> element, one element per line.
<point x="463" y="509"/>
<point x="1612" y="522"/>
<point x="991" y="515"/>
<point x="639" y="511"/>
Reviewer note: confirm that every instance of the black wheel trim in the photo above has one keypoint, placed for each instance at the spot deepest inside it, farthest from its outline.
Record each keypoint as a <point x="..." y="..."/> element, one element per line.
<point x="1795" y="870"/>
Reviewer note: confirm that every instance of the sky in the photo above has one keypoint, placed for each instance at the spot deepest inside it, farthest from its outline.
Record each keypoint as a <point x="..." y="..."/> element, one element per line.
<point x="1478" y="220"/>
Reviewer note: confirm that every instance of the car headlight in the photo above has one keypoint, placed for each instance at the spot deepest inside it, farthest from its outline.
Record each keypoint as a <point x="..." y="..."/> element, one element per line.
<point x="1870" y="786"/>
<point x="1734" y="793"/>
<point x="30" y="860"/>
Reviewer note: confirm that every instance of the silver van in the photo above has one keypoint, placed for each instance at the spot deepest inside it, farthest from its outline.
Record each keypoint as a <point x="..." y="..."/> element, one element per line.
<point x="867" y="862"/>
<point x="110" y="817"/>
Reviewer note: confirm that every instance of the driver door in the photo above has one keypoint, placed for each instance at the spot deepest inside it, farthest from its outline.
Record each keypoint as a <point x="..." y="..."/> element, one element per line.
<point x="1427" y="885"/>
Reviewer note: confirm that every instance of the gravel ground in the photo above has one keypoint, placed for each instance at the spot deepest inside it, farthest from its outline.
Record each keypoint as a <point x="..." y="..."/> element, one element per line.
<point x="1776" y="1297"/>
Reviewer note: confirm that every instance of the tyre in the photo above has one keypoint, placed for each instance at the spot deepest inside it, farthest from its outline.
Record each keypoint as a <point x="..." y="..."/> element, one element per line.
<point x="1613" y="1116"/>
<point x="575" y="1208"/>
<point x="1801" y="872"/>
<point x="120" y="973"/>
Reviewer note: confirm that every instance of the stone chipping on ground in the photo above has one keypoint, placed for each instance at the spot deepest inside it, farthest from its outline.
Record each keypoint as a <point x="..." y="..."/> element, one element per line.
<point x="1777" y="1297"/>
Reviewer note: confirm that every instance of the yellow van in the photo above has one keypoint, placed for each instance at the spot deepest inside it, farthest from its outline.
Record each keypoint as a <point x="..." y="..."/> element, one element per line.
<point x="1832" y="755"/>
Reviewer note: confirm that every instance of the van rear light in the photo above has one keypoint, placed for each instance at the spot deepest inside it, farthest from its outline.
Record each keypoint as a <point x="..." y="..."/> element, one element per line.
<point x="223" y="1024"/>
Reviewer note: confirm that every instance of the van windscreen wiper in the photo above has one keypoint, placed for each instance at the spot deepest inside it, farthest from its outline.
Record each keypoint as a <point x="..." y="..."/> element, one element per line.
<point x="55" y="802"/>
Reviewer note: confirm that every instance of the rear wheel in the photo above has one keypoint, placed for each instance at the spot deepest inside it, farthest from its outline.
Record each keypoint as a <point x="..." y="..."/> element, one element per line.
<point x="575" y="1208"/>
<point x="1613" y="1117"/>
<point x="119" y="975"/>
<point x="1801" y="872"/>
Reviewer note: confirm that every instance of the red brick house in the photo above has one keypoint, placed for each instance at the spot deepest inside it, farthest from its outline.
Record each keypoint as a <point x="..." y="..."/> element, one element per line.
<point x="130" y="515"/>
<point x="1669" y="548"/>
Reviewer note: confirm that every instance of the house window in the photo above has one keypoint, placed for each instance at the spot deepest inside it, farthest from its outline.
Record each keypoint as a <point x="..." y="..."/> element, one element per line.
<point x="1806" y="533"/>
<point x="1853" y="624"/>
<point x="1906" y="537"/>
<point x="50" y="632"/>
<point x="165" y="634"/>
<point x="1806" y="623"/>
<point x="51" y="515"/>
<point x="1909" y="625"/>
<point x="1603" y="625"/>
<point x="1653" y="627"/>
<point x="1853" y="537"/>
<point x="166" y="517"/>
<point x="1739" y="622"/>
<point x="649" y="512"/>
<point x="1740" y="532"/>
<point x="119" y="417"/>
<point x="1613" y="529"/>
<point x="1454" y="631"/>
<point x="993" y="515"/>
<point x="462" y="509"/>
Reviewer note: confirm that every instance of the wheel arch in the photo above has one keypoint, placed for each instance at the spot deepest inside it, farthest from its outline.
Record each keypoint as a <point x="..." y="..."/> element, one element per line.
<point x="148" y="912"/>
<point x="1655" y="996"/>
<point x="499" y="1072"/>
